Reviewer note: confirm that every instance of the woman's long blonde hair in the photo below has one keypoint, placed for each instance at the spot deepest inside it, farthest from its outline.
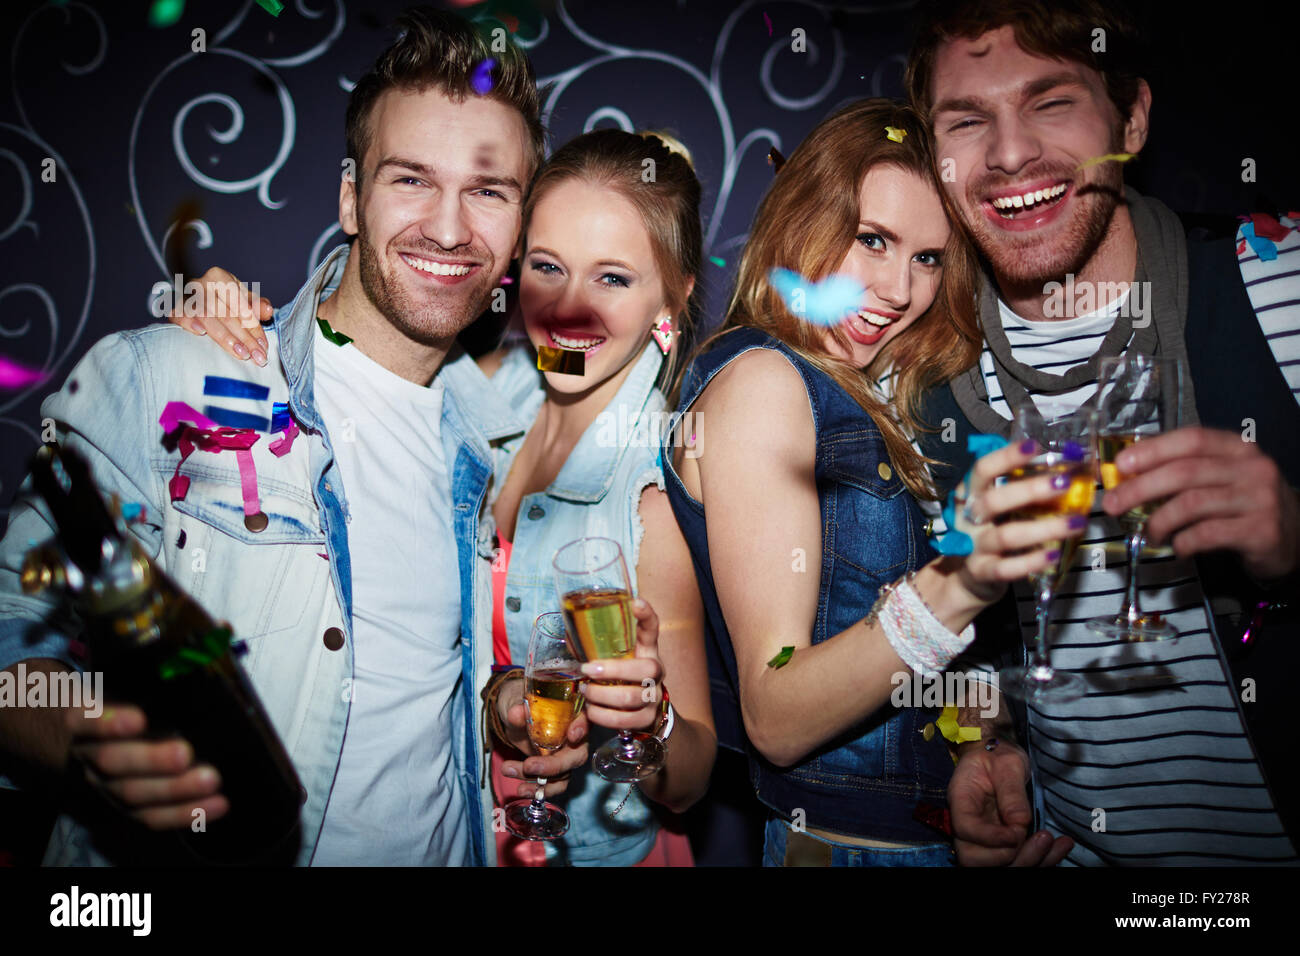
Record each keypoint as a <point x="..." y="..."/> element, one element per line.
<point x="807" y="222"/>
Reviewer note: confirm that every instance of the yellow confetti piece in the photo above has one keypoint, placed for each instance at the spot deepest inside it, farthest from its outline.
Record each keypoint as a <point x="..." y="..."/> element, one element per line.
<point x="895" y="134"/>
<point x="951" y="730"/>
<point x="1107" y="158"/>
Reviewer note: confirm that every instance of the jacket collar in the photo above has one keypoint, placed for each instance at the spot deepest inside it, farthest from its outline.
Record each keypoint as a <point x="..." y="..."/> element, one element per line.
<point x="590" y="468"/>
<point x="295" y="324"/>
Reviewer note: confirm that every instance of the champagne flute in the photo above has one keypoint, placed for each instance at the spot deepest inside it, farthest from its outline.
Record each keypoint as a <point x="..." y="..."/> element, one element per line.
<point x="596" y="594"/>
<point x="1137" y="397"/>
<point x="1065" y="437"/>
<point x="551" y="701"/>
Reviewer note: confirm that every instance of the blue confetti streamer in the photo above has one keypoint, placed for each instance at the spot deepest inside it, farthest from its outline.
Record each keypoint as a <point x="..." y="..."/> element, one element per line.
<point x="1266" y="249"/>
<point x="957" y="541"/>
<point x="824" y="303"/>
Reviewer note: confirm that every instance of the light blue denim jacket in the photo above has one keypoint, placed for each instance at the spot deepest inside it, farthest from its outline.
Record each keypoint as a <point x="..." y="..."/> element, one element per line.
<point x="597" y="493"/>
<point x="283" y="587"/>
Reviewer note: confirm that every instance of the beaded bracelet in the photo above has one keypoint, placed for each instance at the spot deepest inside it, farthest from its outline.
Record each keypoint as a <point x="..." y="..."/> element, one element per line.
<point x="913" y="631"/>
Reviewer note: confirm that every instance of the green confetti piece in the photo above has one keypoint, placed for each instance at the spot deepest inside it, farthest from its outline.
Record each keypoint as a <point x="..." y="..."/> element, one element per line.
<point x="165" y="12"/>
<point x="720" y="263"/>
<point x="781" y="659"/>
<point x="214" y="645"/>
<point x="338" y="338"/>
<point x="273" y="7"/>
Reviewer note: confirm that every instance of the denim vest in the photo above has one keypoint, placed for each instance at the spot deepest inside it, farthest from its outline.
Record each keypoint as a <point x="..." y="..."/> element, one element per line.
<point x="283" y="587"/>
<point x="868" y="781"/>
<point x="597" y="493"/>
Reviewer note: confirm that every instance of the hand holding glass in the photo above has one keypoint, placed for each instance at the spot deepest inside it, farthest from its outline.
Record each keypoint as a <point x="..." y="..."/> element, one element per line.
<point x="596" y="593"/>
<point x="551" y="702"/>
<point x="1065" y="437"/>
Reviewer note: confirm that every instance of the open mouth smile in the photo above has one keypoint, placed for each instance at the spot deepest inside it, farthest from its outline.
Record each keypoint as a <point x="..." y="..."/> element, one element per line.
<point x="1027" y="208"/>
<point x="436" y="268"/>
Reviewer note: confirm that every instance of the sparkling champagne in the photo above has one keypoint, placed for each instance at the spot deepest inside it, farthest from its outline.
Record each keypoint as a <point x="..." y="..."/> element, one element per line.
<point x="602" y="621"/>
<point x="552" y="702"/>
<point x="1108" y="449"/>
<point x="1076" y="499"/>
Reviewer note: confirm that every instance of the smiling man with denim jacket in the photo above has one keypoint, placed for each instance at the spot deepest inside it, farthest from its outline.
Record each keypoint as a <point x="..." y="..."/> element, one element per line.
<point x="436" y="208"/>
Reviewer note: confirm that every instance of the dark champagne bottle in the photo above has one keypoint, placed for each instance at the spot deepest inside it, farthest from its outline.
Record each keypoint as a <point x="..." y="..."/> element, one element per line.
<point x="162" y="652"/>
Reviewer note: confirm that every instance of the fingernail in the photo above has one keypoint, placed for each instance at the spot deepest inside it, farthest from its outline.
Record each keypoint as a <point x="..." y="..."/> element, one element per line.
<point x="1028" y="446"/>
<point x="509" y="772"/>
<point x="198" y="329"/>
<point x="593" y="670"/>
<point x="1078" y="521"/>
<point x="207" y="776"/>
<point x="1060" y="481"/>
<point x="239" y="350"/>
<point x="259" y="357"/>
<point x="1053" y="554"/>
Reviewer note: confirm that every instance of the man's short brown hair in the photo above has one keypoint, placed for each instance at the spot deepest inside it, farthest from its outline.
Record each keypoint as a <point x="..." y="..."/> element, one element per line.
<point x="1058" y="29"/>
<point x="440" y="50"/>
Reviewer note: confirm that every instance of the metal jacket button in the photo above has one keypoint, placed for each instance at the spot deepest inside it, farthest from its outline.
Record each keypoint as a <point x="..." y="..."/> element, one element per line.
<point x="884" y="471"/>
<point x="256" y="522"/>
<point x="333" y="638"/>
<point x="512" y="603"/>
<point x="535" y="512"/>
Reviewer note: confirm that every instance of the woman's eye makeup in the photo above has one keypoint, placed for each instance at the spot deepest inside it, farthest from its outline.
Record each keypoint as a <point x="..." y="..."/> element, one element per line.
<point x="871" y="240"/>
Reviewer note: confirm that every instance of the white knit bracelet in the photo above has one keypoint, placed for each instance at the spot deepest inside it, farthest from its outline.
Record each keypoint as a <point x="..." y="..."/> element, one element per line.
<point x="911" y="628"/>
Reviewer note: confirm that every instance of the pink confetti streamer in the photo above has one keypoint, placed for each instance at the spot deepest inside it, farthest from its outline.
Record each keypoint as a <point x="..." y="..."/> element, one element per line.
<point x="14" y="376"/>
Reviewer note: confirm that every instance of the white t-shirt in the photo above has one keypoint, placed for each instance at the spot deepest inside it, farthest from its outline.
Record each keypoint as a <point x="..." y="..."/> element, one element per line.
<point x="396" y="799"/>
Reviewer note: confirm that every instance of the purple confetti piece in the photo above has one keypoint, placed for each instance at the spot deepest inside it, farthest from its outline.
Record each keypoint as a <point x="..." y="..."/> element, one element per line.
<point x="482" y="78"/>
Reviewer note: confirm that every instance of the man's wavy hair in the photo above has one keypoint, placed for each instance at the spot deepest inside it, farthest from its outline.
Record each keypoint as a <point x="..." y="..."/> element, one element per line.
<point x="1057" y="29"/>
<point x="440" y="50"/>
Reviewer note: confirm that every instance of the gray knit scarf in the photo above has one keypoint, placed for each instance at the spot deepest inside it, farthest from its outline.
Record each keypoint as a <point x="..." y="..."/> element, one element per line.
<point x="1161" y="261"/>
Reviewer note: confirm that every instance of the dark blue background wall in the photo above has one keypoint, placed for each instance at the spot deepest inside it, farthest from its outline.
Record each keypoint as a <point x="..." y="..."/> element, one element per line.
<point x="168" y="159"/>
<point x="244" y="142"/>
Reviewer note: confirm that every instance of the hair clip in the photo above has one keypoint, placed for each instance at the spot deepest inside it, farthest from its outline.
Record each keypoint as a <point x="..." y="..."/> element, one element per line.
<point x="895" y="133"/>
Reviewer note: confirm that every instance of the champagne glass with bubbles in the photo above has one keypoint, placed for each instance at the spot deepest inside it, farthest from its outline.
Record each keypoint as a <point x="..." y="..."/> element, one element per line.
<point x="1138" y="397"/>
<point x="551" y="701"/>
<point x="1065" y="438"/>
<point x="596" y="594"/>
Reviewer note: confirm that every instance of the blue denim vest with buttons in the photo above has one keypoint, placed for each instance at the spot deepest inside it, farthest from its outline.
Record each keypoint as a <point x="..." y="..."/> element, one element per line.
<point x="868" y="781"/>
<point x="597" y="493"/>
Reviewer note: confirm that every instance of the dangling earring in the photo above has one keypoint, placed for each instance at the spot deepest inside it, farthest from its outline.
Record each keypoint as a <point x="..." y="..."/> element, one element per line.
<point x="663" y="334"/>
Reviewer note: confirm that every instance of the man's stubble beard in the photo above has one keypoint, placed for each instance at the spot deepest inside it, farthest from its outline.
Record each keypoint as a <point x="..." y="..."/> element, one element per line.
<point x="1025" y="261"/>
<point x="448" y="310"/>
